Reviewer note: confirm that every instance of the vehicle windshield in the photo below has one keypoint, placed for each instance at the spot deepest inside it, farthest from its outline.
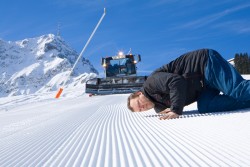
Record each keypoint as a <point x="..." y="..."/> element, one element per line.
<point x="119" y="67"/>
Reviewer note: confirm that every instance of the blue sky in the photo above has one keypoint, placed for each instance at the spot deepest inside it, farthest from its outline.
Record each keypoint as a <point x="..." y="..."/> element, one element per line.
<point x="159" y="30"/>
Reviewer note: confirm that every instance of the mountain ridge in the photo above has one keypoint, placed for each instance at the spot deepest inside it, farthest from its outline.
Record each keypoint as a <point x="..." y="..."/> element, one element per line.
<point x="40" y="64"/>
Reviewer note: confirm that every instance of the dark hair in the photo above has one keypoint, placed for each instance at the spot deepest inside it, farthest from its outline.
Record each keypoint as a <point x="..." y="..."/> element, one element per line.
<point x="132" y="96"/>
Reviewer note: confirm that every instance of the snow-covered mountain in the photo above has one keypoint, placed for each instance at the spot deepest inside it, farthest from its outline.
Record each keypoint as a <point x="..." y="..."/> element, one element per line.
<point x="40" y="64"/>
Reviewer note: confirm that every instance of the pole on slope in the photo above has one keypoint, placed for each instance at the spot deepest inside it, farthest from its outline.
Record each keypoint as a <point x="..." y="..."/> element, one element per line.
<point x="92" y="34"/>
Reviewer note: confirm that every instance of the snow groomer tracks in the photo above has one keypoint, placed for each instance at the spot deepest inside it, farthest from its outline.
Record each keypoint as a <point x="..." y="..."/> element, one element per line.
<point x="102" y="132"/>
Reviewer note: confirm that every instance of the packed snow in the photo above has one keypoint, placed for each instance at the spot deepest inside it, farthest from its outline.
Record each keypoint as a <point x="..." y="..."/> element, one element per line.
<point x="36" y="129"/>
<point x="78" y="130"/>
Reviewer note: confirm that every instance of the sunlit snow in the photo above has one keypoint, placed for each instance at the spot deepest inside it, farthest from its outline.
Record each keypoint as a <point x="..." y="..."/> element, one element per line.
<point x="78" y="130"/>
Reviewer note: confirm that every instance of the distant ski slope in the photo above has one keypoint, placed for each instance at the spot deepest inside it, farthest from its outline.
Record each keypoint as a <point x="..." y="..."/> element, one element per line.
<point x="39" y="130"/>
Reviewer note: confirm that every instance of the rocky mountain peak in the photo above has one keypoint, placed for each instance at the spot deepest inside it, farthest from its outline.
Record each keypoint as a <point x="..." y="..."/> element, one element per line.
<point x="34" y="64"/>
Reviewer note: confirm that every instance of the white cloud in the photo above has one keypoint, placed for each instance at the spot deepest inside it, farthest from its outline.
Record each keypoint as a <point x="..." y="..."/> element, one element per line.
<point x="211" y="18"/>
<point x="239" y="26"/>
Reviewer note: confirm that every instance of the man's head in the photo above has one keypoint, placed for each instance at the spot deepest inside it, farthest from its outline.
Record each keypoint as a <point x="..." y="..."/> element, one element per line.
<point x="137" y="102"/>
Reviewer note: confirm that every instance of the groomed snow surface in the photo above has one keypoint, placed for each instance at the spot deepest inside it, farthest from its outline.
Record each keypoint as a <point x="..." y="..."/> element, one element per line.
<point x="39" y="130"/>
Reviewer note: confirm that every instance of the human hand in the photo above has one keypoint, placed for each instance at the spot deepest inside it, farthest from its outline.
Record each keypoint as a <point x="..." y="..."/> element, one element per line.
<point x="168" y="114"/>
<point x="167" y="110"/>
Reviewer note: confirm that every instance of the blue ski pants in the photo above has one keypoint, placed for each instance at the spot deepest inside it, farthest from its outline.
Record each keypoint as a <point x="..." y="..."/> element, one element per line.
<point x="226" y="89"/>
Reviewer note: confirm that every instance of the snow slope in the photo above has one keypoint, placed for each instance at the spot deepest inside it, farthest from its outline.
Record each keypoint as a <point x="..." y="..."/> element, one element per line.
<point x="77" y="130"/>
<point x="41" y="64"/>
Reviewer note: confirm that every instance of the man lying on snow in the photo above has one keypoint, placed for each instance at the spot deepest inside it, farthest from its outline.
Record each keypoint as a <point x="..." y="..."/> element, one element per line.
<point x="195" y="76"/>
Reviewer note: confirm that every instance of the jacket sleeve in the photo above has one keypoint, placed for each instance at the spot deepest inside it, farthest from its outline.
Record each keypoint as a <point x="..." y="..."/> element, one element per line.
<point x="172" y="84"/>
